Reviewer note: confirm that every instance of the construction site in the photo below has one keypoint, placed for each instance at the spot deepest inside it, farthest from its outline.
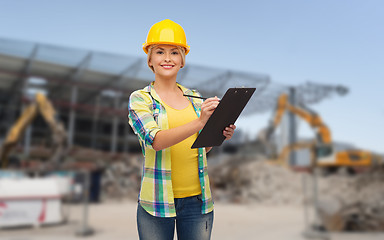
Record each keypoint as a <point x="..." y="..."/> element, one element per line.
<point x="71" y="165"/>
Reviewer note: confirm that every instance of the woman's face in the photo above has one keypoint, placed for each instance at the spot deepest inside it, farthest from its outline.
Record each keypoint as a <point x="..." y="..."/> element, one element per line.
<point x="166" y="60"/>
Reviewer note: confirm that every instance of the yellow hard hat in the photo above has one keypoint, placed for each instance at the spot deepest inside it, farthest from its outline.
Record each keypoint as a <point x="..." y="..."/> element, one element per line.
<point x="166" y="32"/>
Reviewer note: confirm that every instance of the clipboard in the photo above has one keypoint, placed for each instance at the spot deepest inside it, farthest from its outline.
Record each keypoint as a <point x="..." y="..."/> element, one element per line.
<point x="226" y="113"/>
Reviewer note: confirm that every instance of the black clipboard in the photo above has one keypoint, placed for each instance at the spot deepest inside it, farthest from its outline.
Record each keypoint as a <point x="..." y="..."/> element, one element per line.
<point x="226" y="113"/>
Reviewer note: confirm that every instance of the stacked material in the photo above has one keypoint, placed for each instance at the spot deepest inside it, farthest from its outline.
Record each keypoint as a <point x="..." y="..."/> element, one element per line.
<point x="81" y="154"/>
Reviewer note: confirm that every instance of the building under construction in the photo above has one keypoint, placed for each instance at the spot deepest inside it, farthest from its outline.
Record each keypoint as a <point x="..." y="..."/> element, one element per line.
<point x="89" y="90"/>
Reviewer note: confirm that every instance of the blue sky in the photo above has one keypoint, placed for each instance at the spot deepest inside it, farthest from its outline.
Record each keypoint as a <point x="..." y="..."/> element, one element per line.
<point x="332" y="42"/>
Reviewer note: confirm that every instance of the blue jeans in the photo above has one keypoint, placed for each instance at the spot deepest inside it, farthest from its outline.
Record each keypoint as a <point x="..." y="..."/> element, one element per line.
<point x="190" y="223"/>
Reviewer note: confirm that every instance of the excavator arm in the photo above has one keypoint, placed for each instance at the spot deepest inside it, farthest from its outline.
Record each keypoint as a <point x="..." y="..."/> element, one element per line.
<point x="16" y="131"/>
<point x="59" y="134"/>
<point x="323" y="134"/>
<point x="314" y="120"/>
<point x="46" y="109"/>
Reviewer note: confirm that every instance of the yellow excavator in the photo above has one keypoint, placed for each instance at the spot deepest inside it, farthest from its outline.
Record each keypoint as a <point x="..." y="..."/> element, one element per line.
<point x="321" y="148"/>
<point x="43" y="106"/>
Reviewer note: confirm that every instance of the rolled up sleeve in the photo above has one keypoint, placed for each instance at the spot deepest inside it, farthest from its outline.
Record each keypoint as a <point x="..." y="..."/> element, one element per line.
<point x="141" y="118"/>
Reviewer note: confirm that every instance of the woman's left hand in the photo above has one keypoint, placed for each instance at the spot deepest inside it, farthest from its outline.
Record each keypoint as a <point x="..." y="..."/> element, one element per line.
<point x="228" y="131"/>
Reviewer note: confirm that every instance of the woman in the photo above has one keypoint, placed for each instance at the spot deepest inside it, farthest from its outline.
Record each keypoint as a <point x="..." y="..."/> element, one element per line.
<point x="175" y="185"/>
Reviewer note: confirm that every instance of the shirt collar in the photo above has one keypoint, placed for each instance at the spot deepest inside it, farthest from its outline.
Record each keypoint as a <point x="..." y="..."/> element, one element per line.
<point x="151" y="90"/>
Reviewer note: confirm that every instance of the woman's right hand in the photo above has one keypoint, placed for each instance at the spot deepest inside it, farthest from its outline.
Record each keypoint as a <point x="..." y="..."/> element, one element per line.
<point x="207" y="108"/>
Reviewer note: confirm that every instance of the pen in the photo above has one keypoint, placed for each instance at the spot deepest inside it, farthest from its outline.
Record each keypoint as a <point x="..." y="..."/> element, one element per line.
<point x="194" y="96"/>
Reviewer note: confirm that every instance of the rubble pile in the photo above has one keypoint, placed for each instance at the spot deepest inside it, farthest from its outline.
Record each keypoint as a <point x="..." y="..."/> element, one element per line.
<point x="352" y="203"/>
<point x="244" y="181"/>
<point x="121" y="178"/>
<point x="346" y="202"/>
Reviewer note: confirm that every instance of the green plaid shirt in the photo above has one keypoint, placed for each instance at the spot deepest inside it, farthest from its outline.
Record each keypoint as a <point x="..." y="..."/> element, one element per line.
<point x="147" y="116"/>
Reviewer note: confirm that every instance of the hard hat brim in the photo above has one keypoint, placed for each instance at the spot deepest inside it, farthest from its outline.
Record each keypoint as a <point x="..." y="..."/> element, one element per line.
<point x="146" y="45"/>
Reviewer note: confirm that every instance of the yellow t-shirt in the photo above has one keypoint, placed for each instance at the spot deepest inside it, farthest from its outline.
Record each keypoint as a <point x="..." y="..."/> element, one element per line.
<point x="184" y="160"/>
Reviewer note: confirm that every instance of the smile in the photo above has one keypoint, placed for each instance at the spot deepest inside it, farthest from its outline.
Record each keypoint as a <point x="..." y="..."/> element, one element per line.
<point x="167" y="66"/>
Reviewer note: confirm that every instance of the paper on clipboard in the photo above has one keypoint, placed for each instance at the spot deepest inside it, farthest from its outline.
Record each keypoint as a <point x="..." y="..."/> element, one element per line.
<point x="226" y="113"/>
